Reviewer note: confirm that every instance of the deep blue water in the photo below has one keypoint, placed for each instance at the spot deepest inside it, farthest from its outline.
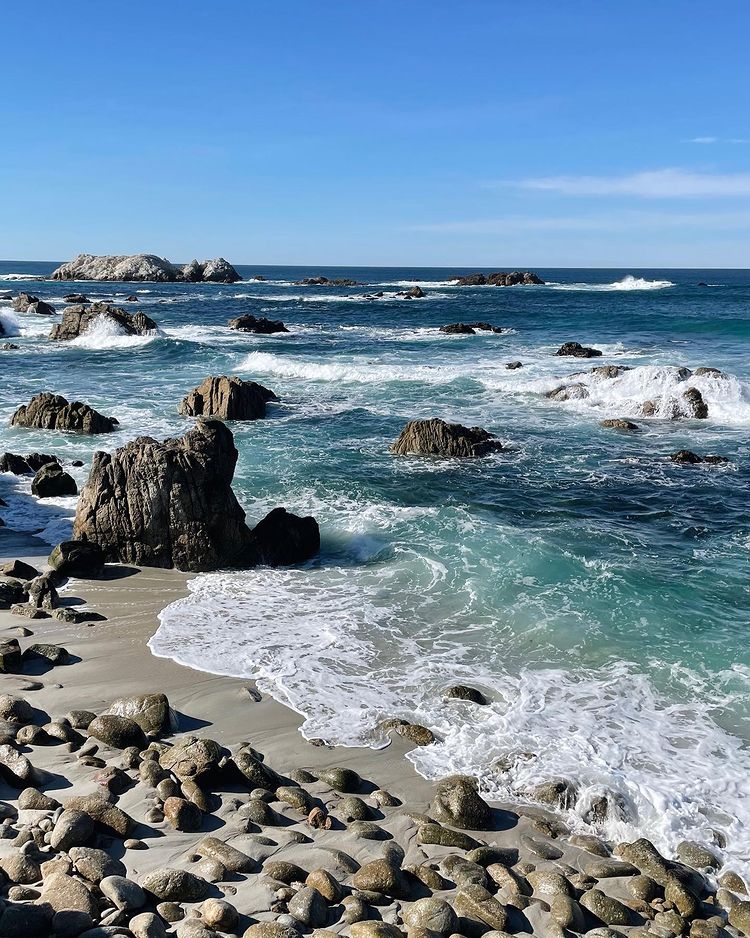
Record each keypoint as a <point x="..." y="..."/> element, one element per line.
<point x="597" y="590"/>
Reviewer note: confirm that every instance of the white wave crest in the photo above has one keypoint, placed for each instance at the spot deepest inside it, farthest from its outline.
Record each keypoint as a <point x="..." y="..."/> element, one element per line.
<point x="106" y="333"/>
<point x="21" y="276"/>
<point x="727" y="397"/>
<point x="341" y="656"/>
<point x="9" y="323"/>
<point x="628" y="282"/>
<point x="358" y="370"/>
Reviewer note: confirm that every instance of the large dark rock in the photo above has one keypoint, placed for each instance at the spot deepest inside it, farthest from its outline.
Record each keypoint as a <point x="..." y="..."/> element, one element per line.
<point x="51" y="481"/>
<point x="500" y="279"/>
<point x="141" y="267"/>
<point x="227" y="399"/>
<point x="687" y="457"/>
<point x="23" y="465"/>
<point x="576" y="350"/>
<point x="694" y="403"/>
<point x="77" y="558"/>
<point x="78" y="319"/>
<point x="171" y="504"/>
<point x="437" y="438"/>
<point x="52" y="412"/>
<point x="26" y="303"/>
<point x="281" y="538"/>
<point x="457" y="802"/>
<point x="261" y="326"/>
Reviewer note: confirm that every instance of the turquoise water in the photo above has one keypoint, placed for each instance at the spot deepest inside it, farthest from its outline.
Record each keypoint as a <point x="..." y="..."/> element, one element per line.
<point x="596" y="590"/>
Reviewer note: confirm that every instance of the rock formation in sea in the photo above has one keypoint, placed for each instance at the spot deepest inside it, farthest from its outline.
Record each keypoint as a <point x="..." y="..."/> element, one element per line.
<point x="227" y="399"/>
<point x="78" y="319"/>
<point x="52" y="412"/>
<point x="321" y="281"/>
<point x="171" y="504"/>
<point x="576" y="350"/>
<point x="470" y="328"/>
<point x="500" y="279"/>
<point x="435" y="437"/>
<point x="23" y="465"/>
<point x="26" y="303"/>
<point x="261" y="325"/>
<point x="144" y="267"/>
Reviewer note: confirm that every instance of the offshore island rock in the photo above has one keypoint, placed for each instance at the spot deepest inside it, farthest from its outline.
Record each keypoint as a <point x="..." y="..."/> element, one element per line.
<point x="144" y="267"/>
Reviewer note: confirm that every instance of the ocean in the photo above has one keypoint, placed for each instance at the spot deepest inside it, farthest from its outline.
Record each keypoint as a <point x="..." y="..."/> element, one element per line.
<point x="596" y="591"/>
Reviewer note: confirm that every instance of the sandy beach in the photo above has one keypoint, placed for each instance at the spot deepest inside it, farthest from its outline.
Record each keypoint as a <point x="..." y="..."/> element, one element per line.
<point x="380" y="865"/>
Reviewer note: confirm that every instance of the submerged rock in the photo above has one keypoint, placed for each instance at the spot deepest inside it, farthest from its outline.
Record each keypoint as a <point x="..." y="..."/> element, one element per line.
<point x="261" y="326"/>
<point x="437" y="438"/>
<point x="53" y="412"/>
<point x="469" y="328"/>
<point x="76" y="320"/>
<point x="568" y="392"/>
<point x="321" y="281"/>
<point x="170" y="504"/>
<point x="618" y="423"/>
<point x="688" y="457"/>
<point x="139" y="267"/>
<point x="227" y="399"/>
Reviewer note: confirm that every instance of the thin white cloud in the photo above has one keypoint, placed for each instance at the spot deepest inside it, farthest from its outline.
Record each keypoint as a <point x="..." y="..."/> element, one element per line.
<point x="718" y="140"/>
<point x="627" y="221"/>
<point x="652" y="184"/>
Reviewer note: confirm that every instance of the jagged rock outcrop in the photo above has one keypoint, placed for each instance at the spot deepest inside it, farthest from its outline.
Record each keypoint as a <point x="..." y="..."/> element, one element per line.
<point x="51" y="481"/>
<point x="26" y="303"/>
<point x="78" y="319"/>
<point x="687" y="457"/>
<point x="260" y="325"/>
<point x="227" y="399"/>
<point x="52" y="412"/>
<point x="500" y="279"/>
<point x="437" y="438"/>
<point x="576" y="350"/>
<point x="144" y="267"/>
<point x="171" y="504"/>
<point x="217" y="270"/>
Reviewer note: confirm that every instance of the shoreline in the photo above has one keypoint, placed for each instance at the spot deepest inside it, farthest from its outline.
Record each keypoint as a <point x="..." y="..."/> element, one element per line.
<point x="528" y="845"/>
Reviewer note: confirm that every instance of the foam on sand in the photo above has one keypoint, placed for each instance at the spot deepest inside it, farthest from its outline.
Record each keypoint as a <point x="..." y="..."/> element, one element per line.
<point x="341" y="655"/>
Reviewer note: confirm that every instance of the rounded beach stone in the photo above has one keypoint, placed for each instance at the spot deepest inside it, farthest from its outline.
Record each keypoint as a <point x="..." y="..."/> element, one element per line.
<point x="219" y="914"/>
<point x="147" y="925"/>
<point x="340" y="779"/>
<point x="381" y="876"/>
<point x="175" y="885"/>
<point x="604" y="907"/>
<point x="326" y="884"/>
<point x="284" y="872"/>
<point x="72" y="829"/>
<point x="308" y="907"/>
<point x="123" y="892"/>
<point x="118" y="732"/>
<point x="182" y="815"/>
<point x="457" y="802"/>
<point x="432" y="914"/>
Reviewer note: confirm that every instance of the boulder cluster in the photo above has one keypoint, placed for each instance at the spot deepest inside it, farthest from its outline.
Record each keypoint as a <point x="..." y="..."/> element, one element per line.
<point x="144" y="267"/>
<point x="263" y="853"/>
<point x="171" y="504"/>
<point x="26" y="303"/>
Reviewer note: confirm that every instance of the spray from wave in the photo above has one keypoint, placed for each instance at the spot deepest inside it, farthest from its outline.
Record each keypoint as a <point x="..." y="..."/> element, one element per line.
<point x="628" y="282"/>
<point x="9" y="323"/>
<point x="106" y="333"/>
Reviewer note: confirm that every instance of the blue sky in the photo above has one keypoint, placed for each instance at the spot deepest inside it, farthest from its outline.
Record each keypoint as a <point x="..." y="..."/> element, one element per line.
<point x="499" y="134"/>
